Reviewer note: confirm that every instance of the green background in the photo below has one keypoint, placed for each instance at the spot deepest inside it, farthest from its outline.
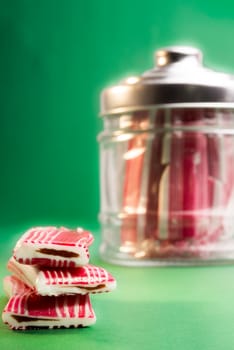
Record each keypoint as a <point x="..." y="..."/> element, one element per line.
<point x="55" y="58"/>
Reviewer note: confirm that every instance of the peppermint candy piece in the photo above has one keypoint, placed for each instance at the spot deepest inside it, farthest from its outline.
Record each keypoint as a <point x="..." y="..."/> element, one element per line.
<point x="78" y="280"/>
<point x="54" y="247"/>
<point x="30" y="310"/>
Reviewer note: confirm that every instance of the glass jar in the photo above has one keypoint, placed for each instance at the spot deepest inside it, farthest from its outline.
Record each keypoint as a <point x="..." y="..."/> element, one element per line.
<point x="167" y="165"/>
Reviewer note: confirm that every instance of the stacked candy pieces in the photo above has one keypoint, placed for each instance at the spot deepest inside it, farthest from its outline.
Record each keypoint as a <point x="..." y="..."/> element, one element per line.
<point x="52" y="280"/>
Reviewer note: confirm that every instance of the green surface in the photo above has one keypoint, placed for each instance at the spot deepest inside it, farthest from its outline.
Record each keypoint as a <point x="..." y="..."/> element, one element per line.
<point x="152" y="308"/>
<point x="55" y="58"/>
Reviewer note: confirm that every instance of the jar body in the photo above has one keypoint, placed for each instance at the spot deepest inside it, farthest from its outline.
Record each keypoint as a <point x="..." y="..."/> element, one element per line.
<point x="167" y="187"/>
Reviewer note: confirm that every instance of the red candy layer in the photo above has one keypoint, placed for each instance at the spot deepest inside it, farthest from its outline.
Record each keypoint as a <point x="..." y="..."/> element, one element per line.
<point x="31" y="310"/>
<point x="54" y="247"/>
<point x="79" y="280"/>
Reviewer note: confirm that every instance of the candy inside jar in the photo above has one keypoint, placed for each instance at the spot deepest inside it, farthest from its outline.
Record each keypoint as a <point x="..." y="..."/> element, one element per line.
<point x="167" y="165"/>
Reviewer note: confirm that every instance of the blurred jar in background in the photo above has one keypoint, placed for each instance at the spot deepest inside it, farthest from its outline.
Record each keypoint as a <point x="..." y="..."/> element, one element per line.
<point x="167" y="164"/>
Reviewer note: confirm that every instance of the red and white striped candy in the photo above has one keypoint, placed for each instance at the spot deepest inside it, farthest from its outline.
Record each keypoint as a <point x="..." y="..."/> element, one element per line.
<point x="134" y="157"/>
<point x="78" y="280"/>
<point x="54" y="247"/>
<point x="159" y="160"/>
<point x="30" y="310"/>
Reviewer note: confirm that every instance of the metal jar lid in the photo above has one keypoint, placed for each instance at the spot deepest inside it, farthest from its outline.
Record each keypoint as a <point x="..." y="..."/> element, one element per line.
<point x="178" y="80"/>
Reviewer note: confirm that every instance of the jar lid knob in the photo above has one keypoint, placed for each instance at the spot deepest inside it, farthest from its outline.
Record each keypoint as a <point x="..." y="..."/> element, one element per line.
<point x="175" y="54"/>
